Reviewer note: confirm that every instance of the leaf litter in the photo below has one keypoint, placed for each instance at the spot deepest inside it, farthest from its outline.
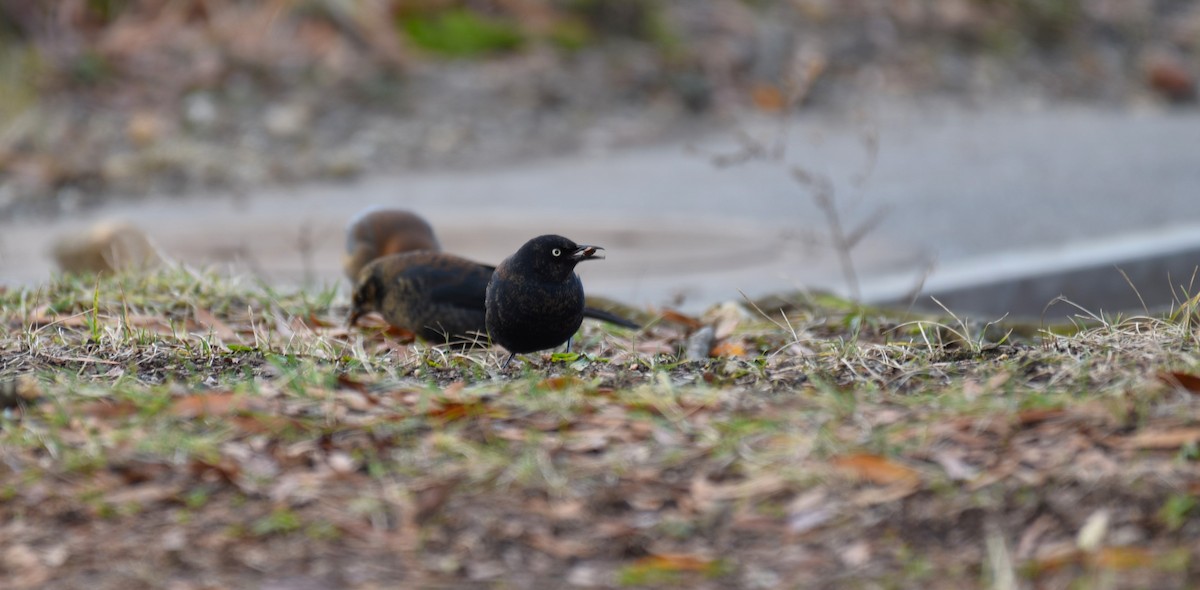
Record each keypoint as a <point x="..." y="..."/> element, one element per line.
<point x="256" y="442"/>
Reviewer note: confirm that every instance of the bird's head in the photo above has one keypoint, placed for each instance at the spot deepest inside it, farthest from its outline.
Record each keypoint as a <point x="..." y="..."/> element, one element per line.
<point x="552" y="257"/>
<point x="377" y="232"/>
<point x="366" y="294"/>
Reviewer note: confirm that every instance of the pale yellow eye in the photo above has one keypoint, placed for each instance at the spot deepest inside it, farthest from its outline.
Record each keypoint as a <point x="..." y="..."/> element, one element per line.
<point x="556" y="252"/>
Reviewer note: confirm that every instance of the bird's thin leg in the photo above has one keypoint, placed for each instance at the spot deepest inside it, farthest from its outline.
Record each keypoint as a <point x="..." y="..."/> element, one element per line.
<point x="569" y="338"/>
<point x="507" y="360"/>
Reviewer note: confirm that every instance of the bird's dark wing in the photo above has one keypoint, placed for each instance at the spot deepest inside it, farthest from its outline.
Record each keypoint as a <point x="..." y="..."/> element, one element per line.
<point x="612" y="318"/>
<point x="457" y="283"/>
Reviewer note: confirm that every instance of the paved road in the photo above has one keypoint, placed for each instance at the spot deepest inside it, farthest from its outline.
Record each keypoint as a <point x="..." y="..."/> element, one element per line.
<point x="976" y="194"/>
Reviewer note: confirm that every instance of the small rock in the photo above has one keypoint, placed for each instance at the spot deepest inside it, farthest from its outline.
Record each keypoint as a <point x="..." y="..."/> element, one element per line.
<point x="856" y="554"/>
<point x="699" y="343"/>
<point x="56" y="555"/>
<point x="107" y="246"/>
<point x="200" y="110"/>
<point x="485" y="570"/>
<point x="144" y="128"/>
<point x="174" y="540"/>
<point x="585" y="576"/>
<point x="287" y="121"/>
<point x="1091" y="534"/>
<point x="760" y="577"/>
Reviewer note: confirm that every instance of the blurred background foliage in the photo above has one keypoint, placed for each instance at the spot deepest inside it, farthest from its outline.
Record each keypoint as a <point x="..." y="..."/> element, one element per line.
<point x="103" y="94"/>
<point x="90" y="43"/>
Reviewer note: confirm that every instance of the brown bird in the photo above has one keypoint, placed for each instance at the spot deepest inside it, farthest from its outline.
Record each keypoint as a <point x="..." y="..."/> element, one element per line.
<point x="534" y="299"/>
<point x="379" y="232"/>
<point x="438" y="296"/>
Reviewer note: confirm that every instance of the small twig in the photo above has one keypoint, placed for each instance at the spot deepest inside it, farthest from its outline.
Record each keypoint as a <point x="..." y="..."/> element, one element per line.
<point x="870" y="140"/>
<point x="822" y="193"/>
<point x="1129" y="282"/>
<point x="304" y="243"/>
<point x="867" y="226"/>
<point x="919" y="285"/>
<point x="807" y="66"/>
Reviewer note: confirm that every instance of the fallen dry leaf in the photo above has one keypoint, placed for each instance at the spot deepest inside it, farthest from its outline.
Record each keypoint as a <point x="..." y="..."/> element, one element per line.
<point x="676" y="562"/>
<point x="1031" y="417"/>
<point x="560" y="382"/>
<point x="71" y="321"/>
<point x="263" y="423"/>
<point x="728" y="348"/>
<point x="1122" y="558"/>
<point x="561" y="548"/>
<point x="452" y="390"/>
<point x="144" y="494"/>
<point x="877" y="469"/>
<point x="311" y="320"/>
<point x="882" y="495"/>
<point x="757" y="487"/>
<point x="1162" y="439"/>
<point x="431" y="497"/>
<point x="453" y="411"/>
<point x="768" y="98"/>
<point x="1171" y="79"/>
<point x="373" y="322"/>
<point x="200" y="405"/>
<point x="1185" y="381"/>
<point x="1054" y="561"/>
<point x="725" y="319"/>
<point x="347" y="382"/>
<point x="225" y="469"/>
<point x="215" y="326"/>
<point x="676" y="317"/>
<point x="108" y="410"/>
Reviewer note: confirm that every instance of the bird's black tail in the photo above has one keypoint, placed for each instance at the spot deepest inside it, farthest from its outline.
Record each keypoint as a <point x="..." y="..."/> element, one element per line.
<point x="612" y="318"/>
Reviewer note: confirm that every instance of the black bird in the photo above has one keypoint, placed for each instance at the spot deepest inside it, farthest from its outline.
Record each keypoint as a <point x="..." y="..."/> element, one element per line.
<point x="377" y="232"/>
<point x="535" y="300"/>
<point x="439" y="296"/>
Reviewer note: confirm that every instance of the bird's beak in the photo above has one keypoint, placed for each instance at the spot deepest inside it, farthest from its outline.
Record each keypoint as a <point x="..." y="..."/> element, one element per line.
<point x="587" y="253"/>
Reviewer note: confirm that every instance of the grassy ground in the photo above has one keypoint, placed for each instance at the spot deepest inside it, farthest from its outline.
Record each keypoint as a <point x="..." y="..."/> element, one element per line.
<point x="183" y="430"/>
